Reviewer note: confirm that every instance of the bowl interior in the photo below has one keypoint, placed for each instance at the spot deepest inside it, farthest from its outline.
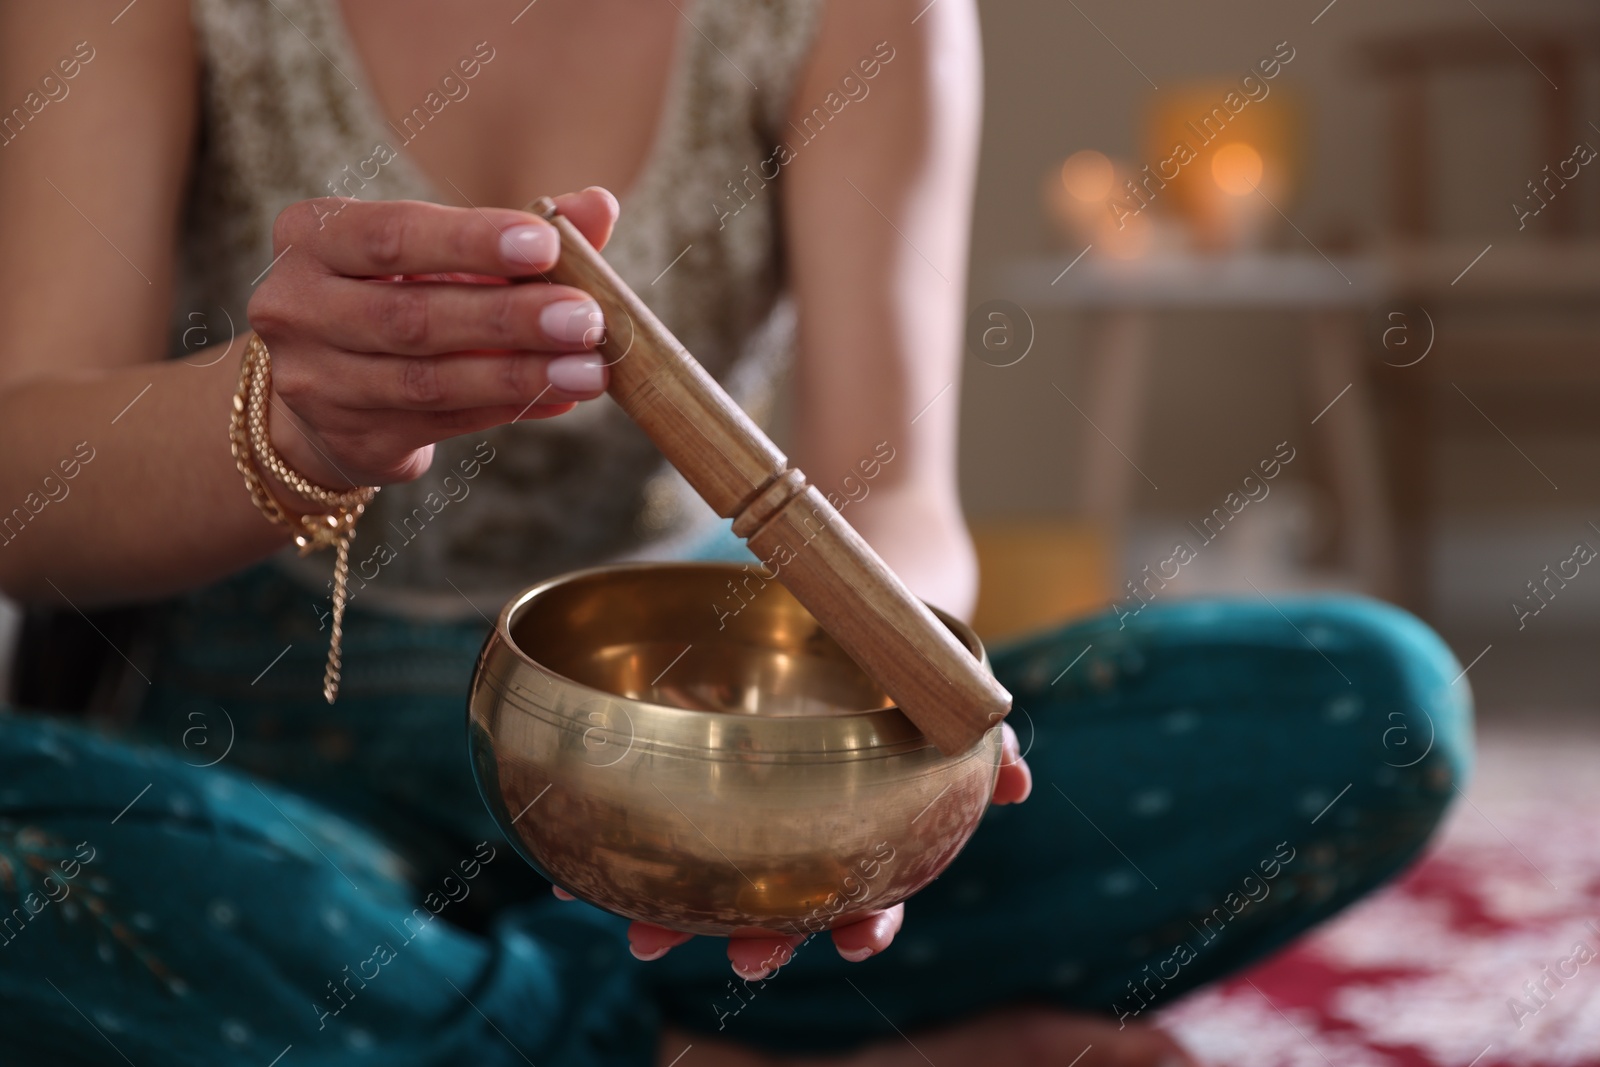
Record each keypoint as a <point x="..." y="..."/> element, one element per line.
<point x="705" y="637"/>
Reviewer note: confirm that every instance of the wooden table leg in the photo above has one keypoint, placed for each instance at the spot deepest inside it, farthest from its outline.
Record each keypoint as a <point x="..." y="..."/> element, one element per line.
<point x="1118" y="371"/>
<point x="1348" y="431"/>
<point x="1411" y="448"/>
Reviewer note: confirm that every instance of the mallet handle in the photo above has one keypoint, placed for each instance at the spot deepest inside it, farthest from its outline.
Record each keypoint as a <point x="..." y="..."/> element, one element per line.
<point x="787" y="523"/>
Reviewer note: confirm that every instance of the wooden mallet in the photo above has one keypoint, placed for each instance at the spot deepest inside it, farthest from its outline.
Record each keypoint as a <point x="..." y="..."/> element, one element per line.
<point x="786" y="522"/>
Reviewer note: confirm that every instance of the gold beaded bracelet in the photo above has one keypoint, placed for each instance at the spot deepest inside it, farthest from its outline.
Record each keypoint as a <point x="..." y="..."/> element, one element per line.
<point x="336" y="528"/>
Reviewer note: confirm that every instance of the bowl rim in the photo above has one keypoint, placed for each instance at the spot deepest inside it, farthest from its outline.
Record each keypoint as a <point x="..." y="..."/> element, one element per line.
<point x="897" y="726"/>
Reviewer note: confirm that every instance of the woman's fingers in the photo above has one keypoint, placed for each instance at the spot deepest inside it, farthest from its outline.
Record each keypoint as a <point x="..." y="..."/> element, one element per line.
<point x="383" y="238"/>
<point x="459" y="357"/>
<point x="753" y="957"/>
<point x="868" y="937"/>
<point x="757" y="956"/>
<point x="383" y="447"/>
<point x="1015" y="781"/>
<point x="419" y="318"/>
<point x="463" y="380"/>
<point x="647" y="941"/>
<point x="593" y="211"/>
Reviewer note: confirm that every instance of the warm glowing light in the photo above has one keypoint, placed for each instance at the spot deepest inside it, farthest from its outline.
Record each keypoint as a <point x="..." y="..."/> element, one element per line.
<point x="1087" y="175"/>
<point x="1236" y="168"/>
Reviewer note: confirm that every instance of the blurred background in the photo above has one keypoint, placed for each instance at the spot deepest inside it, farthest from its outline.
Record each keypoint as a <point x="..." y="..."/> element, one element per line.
<point x="1383" y="259"/>
<point x="1317" y="242"/>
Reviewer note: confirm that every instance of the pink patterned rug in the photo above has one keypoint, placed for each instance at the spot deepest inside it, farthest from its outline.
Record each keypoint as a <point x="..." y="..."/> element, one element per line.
<point x="1487" y="954"/>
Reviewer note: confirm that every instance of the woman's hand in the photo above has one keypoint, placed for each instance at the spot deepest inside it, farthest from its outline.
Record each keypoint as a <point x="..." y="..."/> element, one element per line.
<point x="379" y="350"/>
<point x="756" y="956"/>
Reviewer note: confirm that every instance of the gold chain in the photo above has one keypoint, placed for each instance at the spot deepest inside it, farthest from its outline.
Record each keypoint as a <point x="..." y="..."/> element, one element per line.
<point x="252" y="445"/>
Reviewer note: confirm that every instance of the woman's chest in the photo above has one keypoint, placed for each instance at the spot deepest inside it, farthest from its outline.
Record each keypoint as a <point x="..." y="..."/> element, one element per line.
<point x="504" y="101"/>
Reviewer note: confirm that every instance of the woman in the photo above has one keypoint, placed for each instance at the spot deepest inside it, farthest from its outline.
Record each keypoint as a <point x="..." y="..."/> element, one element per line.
<point x="324" y="175"/>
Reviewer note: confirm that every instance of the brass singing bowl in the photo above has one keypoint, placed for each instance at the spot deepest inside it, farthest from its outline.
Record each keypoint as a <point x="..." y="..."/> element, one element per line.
<point x="682" y="743"/>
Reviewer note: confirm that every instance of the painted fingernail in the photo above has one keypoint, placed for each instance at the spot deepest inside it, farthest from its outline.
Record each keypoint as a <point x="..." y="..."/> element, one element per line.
<point x="533" y="247"/>
<point x="573" y="320"/>
<point x="856" y="955"/>
<point x="648" y="956"/>
<point x="576" y="374"/>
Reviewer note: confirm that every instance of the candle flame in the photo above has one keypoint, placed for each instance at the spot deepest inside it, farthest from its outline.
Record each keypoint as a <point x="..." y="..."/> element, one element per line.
<point x="1237" y="168"/>
<point x="1088" y="175"/>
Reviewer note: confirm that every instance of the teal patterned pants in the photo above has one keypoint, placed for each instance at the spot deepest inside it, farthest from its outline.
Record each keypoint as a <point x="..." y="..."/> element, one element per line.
<point x="257" y="875"/>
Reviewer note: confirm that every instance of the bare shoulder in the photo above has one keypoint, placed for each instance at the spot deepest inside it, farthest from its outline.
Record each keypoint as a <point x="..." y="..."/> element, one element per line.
<point x="97" y="109"/>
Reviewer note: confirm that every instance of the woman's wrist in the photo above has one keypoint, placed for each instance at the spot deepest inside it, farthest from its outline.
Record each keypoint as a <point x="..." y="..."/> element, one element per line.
<point x="297" y="443"/>
<point x="262" y="429"/>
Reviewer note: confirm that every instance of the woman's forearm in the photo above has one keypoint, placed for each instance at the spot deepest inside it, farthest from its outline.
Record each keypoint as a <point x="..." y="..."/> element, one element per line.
<point x="119" y="485"/>
<point x="923" y="541"/>
<point x="367" y="375"/>
<point x="877" y="377"/>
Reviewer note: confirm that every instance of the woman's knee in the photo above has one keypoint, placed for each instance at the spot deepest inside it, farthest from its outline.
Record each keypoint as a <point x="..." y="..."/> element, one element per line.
<point x="1422" y="702"/>
<point x="1335" y="711"/>
<point x="1340" y="657"/>
<point x="1418" y="693"/>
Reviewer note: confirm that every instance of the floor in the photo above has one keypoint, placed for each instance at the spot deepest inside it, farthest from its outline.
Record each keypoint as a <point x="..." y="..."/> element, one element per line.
<point x="1485" y="955"/>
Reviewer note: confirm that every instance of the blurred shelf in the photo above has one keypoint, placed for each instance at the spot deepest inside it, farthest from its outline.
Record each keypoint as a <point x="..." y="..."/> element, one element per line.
<point x="1192" y="280"/>
<point x="1525" y="270"/>
<point x="1453" y="270"/>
